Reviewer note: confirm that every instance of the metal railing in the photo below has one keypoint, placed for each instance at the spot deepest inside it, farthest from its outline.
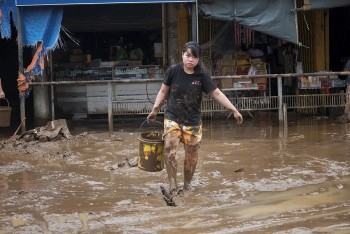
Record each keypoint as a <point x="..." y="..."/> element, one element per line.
<point x="209" y="105"/>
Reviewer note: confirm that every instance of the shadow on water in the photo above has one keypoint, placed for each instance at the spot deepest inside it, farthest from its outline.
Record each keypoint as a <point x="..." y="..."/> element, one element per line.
<point x="257" y="177"/>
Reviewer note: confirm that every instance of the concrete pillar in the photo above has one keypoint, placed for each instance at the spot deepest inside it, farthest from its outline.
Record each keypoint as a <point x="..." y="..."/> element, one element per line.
<point x="172" y="35"/>
<point x="41" y="104"/>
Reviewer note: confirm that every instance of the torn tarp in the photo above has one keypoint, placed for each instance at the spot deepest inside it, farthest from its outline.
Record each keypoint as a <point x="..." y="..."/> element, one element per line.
<point x="6" y="7"/>
<point x="40" y="26"/>
<point x="272" y="17"/>
<point x="35" y="68"/>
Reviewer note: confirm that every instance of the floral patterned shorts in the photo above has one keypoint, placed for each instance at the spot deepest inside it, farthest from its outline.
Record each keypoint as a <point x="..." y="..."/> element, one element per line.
<point x="190" y="135"/>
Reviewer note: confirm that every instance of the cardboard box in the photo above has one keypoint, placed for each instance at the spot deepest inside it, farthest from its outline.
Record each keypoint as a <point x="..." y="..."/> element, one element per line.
<point x="77" y="51"/>
<point x="134" y="63"/>
<point x="262" y="80"/>
<point x="262" y="86"/>
<point x="77" y="58"/>
<point x="245" y="61"/>
<point x="227" y="60"/>
<point x="227" y="70"/>
<point x="242" y="70"/>
<point x="225" y="83"/>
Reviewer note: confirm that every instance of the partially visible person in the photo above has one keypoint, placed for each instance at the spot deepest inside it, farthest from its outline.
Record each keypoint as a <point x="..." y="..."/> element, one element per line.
<point x="2" y="93"/>
<point x="182" y="89"/>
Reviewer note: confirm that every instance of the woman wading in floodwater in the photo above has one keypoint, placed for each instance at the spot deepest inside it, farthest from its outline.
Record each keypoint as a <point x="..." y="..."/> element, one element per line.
<point x="182" y="89"/>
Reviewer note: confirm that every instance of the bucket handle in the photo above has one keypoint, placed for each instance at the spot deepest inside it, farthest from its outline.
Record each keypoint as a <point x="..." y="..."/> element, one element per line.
<point x="145" y="122"/>
<point x="8" y="104"/>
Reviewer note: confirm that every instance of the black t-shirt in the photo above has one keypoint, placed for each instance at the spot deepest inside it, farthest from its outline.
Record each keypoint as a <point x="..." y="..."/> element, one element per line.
<point x="185" y="94"/>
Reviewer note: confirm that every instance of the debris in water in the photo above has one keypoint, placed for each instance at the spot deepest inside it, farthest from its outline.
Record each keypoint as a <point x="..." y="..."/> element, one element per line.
<point x="168" y="198"/>
<point x="239" y="170"/>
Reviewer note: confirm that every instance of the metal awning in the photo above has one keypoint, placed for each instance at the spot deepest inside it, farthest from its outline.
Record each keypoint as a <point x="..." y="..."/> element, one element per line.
<point x="89" y="2"/>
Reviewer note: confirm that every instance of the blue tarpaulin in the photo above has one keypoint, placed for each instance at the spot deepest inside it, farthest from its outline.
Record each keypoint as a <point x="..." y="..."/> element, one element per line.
<point x="39" y="24"/>
<point x="75" y="2"/>
<point x="6" y="7"/>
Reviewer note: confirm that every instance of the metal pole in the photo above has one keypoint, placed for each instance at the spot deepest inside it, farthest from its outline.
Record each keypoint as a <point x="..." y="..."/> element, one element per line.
<point x="194" y="14"/>
<point x="197" y="30"/>
<point x="110" y="114"/>
<point x="51" y="88"/>
<point x="20" y="66"/>
<point x="164" y="36"/>
<point x="280" y="99"/>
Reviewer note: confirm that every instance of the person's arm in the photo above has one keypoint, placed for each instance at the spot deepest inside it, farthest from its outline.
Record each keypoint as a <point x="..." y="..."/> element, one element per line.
<point x="160" y="99"/>
<point x="2" y="93"/>
<point x="221" y="98"/>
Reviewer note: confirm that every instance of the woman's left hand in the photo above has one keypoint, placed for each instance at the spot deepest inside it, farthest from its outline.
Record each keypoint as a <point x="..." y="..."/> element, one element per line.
<point x="238" y="117"/>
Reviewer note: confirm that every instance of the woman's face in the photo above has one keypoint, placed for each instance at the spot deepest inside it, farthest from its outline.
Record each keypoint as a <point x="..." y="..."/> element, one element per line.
<point x="189" y="61"/>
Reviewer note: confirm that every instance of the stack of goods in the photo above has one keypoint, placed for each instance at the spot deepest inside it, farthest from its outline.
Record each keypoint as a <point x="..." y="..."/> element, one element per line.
<point x="309" y="82"/>
<point x="244" y="85"/>
<point x="258" y="67"/>
<point x="227" y="65"/>
<point x="77" y="56"/>
<point x="226" y="69"/>
<point x="242" y="63"/>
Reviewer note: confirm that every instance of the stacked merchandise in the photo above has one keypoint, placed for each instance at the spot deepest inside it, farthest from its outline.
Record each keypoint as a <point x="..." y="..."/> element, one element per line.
<point x="226" y="69"/>
<point x="242" y="63"/>
<point x="258" y="67"/>
<point x="309" y="82"/>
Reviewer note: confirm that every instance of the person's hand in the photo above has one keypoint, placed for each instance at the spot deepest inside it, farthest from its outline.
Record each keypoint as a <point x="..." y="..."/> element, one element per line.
<point x="2" y="94"/>
<point x="153" y="115"/>
<point x="238" y="117"/>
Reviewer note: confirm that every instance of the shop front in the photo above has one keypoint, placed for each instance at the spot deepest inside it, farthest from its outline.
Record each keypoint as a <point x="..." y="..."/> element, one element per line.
<point x="114" y="41"/>
<point x="132" y="43"/>
<point x="121" y="42"/>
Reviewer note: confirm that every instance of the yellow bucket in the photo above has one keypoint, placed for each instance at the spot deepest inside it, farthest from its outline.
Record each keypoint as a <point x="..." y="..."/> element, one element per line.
<point x="150" y="157"/>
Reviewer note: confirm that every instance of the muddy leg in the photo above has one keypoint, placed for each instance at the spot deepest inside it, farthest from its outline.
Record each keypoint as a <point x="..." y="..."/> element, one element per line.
<point x="171" y="143"/>
<point x="190" y="163"/>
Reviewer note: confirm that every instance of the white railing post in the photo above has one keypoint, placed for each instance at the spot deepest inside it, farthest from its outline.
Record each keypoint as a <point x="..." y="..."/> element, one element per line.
<point x="280" y="99"/>
<point x="110" y="111"/>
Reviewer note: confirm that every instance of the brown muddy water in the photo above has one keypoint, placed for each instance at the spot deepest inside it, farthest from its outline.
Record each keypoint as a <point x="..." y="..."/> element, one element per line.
<point x="254" y="178"/>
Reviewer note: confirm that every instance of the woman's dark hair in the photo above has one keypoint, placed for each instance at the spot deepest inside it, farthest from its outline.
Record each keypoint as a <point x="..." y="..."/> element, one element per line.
<point x="196" y="52"/>
<point x="194" y="47"/>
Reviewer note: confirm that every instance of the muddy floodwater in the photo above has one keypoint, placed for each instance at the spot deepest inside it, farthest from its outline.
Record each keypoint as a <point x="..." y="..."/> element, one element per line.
<point x="258" y="177"/>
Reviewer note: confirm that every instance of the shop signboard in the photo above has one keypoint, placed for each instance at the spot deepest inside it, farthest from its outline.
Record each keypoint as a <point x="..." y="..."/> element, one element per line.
<point x="83" y="2"/>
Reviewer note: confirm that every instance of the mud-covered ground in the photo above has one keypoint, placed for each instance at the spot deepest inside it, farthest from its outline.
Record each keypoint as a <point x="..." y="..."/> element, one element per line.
<point x="255" y="178"/>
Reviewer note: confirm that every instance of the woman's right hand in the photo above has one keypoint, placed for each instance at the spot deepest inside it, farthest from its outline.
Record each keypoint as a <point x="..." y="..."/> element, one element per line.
<point x="2" y="94"/>
<point x="152" y="117"/>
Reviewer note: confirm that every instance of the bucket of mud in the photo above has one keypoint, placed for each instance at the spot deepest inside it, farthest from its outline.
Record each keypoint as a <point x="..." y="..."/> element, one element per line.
<point x="150" y="156"/>
<point x="5" y="114"/>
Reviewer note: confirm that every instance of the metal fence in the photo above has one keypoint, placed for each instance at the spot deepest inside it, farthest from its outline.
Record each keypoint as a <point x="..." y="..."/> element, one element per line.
<point x="258" y="103"/>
